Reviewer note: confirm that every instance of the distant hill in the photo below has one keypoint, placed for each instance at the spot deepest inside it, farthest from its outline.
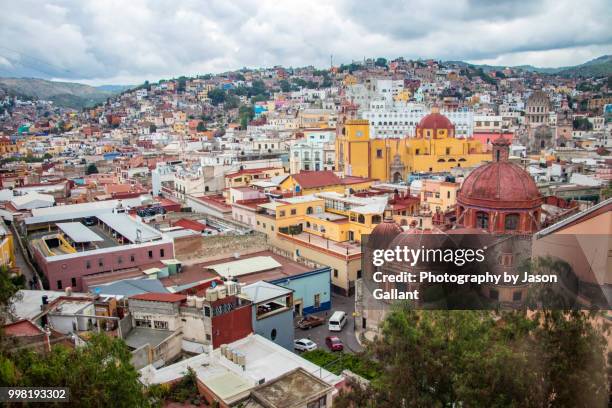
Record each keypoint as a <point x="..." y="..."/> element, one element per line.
<point x="598" y="67"/>
<point x="67" y="94"/>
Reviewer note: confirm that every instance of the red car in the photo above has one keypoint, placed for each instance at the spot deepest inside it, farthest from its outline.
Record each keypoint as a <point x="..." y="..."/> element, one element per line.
<point x="334" y="343"/>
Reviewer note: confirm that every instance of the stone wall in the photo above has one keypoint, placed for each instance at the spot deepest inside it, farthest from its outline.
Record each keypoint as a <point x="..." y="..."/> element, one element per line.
<point x="219" y="247"/>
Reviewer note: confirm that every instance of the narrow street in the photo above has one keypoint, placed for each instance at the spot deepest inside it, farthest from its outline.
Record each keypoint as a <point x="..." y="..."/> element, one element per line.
<point x="25" y="268"/>
<point x="347" y="335"/>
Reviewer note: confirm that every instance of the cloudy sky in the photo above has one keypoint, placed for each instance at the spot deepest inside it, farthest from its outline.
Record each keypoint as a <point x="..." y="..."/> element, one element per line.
<point x="128" y="41"/>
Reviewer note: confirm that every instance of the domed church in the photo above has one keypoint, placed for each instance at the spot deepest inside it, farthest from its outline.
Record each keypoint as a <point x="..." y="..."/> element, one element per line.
<point x="500" y="197"/>
<point x="433" y="149"/>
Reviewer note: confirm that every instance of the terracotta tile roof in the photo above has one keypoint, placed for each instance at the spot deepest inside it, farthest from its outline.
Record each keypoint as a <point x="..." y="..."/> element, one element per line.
<point x="190" y="224"/>
<point x="22" y="328"/>
<point x="160" y="297"/>
<point x="314" y="179"/>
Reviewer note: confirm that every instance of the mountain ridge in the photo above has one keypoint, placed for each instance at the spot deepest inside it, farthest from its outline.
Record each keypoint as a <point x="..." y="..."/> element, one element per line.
<point x="600" y="66"/>
<point x="67" y="94"/>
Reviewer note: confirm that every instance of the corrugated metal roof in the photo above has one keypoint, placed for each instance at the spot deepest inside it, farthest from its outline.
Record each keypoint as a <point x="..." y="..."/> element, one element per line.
<point x="78" y="232"/>
<point x="131" y="229"/>
<point x="245" y="266"/>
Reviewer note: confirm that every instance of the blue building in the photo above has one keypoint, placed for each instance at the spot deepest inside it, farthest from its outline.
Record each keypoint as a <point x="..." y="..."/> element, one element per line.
<point x="311" y="290"/>
<point x="272" y="315"/>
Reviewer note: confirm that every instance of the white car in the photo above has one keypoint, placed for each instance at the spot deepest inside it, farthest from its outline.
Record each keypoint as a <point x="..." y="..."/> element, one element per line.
<point x="304" y="345"/>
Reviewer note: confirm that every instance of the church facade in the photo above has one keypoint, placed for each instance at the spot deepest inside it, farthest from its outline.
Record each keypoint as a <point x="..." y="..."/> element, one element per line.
<point x="433" y="149"/>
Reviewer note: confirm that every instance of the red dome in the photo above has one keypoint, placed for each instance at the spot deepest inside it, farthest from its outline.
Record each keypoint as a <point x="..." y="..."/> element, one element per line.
<point x="435" y="120"/>
<point x="499" y="184"/>
<point x="382" y="235"/>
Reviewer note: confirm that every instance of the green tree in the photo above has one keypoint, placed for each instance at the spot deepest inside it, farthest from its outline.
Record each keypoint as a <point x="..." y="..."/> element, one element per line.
<point x="285" y="85"/>
<point x="582" y="123"/>
<point x="99" y="374"/>
<point x="479" y="359"/>
<point x="380" y="62"/>
<point x="216" y="96"/>
<point x="201" y="127"/>
<point x="91" y="169"/>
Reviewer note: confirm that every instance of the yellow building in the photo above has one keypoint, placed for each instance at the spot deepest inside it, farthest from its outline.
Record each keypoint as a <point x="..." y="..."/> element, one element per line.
<point x="438" y="195"/>
<point x="7" y="248"/>
<point x="309" y="182"/>
<point x="323" y="228"/>
<point x="433" y="149"/>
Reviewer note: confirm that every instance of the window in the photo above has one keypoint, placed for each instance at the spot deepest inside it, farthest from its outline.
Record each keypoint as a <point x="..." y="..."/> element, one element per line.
<point x="162" y="252"/>
<point x="335" y="273"/>
<point x="309" y="210"/>
<point x="505" y="260"/>
<point x="73" y="282"/>
<point x="493" y="294"/>
<point x="517" y="296"/>
<point x="207" y="311"/>
<point x="317" y="301"/>
<point x="142" y="323"/>
<point x="208" y="337"/>
<point x="119" y="260"/>
<point x="361" y="219"/>
<point x="88" y="264"/>
<point x="160" y="324"/>
<point x="59" y="284"/>
<point x="132" y="258"/>
<point x="100" y="262"/>
<point x="359" y="274"/>
<point x="482" y="220"/>
<point x="511" y="222"/>
<point x="448" y="151"/>
<point x="448" y="194"/>
<point x="379" y="153"/>
<point x="281" y="213"/>
<point x="150" y="254"/>
<point x="293" y="211"/>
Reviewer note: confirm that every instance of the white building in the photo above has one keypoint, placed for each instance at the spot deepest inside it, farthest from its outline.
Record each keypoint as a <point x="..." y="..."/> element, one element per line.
<point x="397" y="119"/>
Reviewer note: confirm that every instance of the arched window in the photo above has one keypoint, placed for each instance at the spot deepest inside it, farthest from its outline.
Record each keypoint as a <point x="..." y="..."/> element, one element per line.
<point x="361" y="219"/>
<point x="309" y="210"/>
<point x="376" y="219"/>
<point x="482" y="220"/>
<point x="511" y="222"/>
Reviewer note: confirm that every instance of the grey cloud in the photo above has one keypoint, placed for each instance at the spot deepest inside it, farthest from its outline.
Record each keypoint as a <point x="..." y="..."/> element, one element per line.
<point x="117" y="40"/>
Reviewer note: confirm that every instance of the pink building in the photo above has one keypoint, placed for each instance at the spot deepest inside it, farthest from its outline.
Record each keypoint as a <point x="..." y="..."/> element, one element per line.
<point x="67" y="270"/>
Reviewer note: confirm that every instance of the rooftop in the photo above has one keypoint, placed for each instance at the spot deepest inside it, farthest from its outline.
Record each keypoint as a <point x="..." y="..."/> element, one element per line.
<point x="139" y="336"/>
<point x="263" y="291"/>
<point x="78" y="232"/>
<point x="294" y="388"/>
<point x="130" y="228"/>
<point x="245" y="266"/>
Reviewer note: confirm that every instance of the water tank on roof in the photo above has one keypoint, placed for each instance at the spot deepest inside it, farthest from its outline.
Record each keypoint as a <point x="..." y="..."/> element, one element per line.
<point x="191" y="301"/>
<point x="199" y="302"/>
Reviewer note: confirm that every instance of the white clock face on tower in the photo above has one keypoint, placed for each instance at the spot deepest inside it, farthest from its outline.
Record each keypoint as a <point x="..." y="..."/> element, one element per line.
<point x="359" y="133"/>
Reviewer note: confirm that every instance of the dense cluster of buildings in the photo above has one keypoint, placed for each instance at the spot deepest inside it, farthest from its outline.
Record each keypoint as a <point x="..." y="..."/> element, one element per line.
<point x="197" y="218"/>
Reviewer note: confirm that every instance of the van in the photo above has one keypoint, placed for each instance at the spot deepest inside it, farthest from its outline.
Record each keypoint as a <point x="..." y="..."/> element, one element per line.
<point x="337" y="321"/>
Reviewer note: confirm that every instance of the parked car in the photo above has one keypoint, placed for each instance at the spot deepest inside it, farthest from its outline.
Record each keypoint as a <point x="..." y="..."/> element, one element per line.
<point x="334" y="343"/>
<point x="310" y="322"/>
<point x="304" y="345"/>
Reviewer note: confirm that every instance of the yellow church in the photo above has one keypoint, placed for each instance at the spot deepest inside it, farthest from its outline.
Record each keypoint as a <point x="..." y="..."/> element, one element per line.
<point x="433" y="149"/>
